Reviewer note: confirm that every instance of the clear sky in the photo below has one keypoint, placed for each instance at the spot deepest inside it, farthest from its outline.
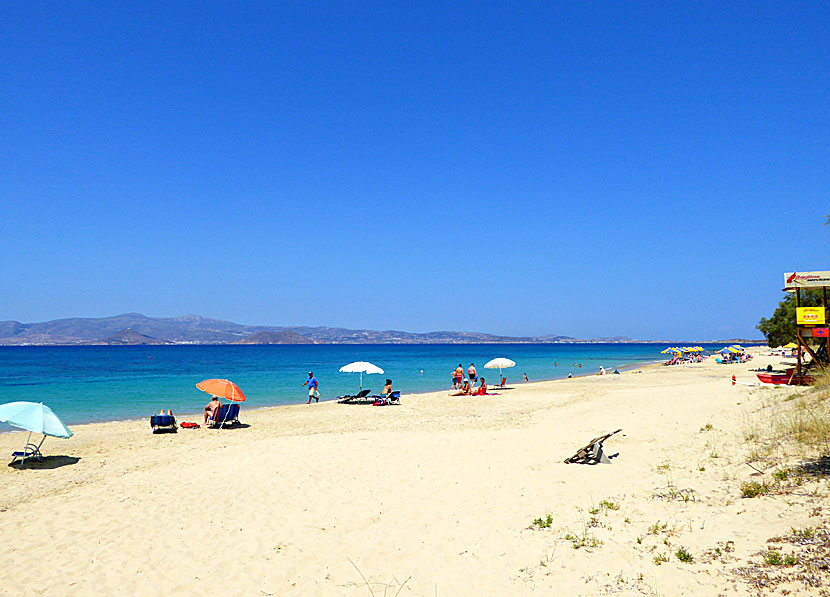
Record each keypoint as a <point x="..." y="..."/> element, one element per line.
<point x="595" y="169"/>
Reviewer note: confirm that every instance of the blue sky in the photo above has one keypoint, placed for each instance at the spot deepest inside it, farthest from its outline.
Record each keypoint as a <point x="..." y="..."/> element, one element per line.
<point x="594" y="169"/>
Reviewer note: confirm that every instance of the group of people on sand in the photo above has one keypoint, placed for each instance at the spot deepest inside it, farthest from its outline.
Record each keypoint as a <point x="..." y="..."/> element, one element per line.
<point x="462" y="386"/>
<point x="314" y="393"/>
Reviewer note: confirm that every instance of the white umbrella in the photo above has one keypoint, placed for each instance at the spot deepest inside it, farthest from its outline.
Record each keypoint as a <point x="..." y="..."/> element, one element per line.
<point x="500" y="363"/>
<point x="361" y="367"/>
<point x="35" y="418"/>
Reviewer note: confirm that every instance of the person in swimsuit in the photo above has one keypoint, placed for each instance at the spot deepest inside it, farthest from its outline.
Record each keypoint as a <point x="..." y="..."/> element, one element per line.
<point x="387" y="389"/>
<point x="482" y="389"/>
<point x="459" y="375"/>
<point x="212" y="409"/>
<point x="465" y="390"/>
<point x="471" y="373"/>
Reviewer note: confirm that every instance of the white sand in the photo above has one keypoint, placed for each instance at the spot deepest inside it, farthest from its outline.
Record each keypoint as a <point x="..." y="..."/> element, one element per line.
<point x="438" y="493"/>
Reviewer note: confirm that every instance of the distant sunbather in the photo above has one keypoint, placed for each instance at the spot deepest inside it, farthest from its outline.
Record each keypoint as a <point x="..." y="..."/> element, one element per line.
<point x="387" y="389"/>
<point x="169" y="412"/>
<point x="465" y="390"/>
<point x="212" y="409"/>
<point x="482" y="389"/>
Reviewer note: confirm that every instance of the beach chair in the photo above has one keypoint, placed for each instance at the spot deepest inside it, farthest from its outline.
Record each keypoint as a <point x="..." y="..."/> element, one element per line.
<point x="592" y="453"/>
<point x="360" y="395"/>
<point x="163" y="423"/>
<point x="393" y="398"/>
<point x="29" y="451"/>
<point x="228" y="415"/>
<point x="502" y="384"/>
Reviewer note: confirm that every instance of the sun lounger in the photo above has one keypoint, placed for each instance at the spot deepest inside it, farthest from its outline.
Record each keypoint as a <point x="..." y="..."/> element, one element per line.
<point x="592" y="453"/>
<point x="228" y="415"/>
<point x="393" y="398"/>
<point x="30" y="451"/>
<point x="359" y="396"/>
<point x="162" y="423"/>
<point x="502" y="384"/>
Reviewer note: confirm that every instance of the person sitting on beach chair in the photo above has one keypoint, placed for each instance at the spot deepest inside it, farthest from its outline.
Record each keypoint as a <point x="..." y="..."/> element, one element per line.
<point x="212" y="409"/>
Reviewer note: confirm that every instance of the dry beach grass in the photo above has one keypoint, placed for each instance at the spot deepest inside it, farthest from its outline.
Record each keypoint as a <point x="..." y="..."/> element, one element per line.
<point x="441" y="496"/>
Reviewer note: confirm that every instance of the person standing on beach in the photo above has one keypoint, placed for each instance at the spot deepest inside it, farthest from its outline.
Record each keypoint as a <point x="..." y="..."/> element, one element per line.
<point x="472" y="374"/>
<point x="459" y="375"/>
<point x="311" y="382"/>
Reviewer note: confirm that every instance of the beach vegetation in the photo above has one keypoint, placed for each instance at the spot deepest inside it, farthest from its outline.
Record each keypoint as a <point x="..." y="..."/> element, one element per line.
<point x="609" y="505"/>
<point x="774" y="558"/>
<point x="683" y="555"/>
<point x="386" y="586"/>
<point x="542" y="522"/>
<point x="657" y="527"/>
<point x="707" y="427"/>
<point x="805" y="534"/>
<point x="751" y="489"/>
<point x="661" y="558"/>
<point x="779" y="329"/>
<point x="807" y="423"/>
<point x="781" y="474"/>
<point x="585" y="540"/>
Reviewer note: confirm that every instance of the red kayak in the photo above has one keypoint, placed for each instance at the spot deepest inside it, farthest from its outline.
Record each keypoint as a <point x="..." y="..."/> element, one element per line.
<point x="788" y="378"/>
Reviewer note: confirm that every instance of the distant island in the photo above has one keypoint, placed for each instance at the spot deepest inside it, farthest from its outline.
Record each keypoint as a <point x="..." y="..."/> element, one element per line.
<point x="137" y="329"/>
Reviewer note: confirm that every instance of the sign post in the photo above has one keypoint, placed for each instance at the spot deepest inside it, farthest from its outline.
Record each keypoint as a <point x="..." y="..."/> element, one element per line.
<point x="810" y="321"/>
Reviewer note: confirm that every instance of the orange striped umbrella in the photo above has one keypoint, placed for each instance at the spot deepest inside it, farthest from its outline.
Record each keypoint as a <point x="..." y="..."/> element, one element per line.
<point x="222" y="388"/>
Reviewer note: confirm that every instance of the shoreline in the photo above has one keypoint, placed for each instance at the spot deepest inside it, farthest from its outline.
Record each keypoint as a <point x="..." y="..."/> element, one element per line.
<point x="193" y="415"/>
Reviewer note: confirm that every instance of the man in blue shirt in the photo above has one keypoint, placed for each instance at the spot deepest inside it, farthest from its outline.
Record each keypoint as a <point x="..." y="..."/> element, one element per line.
<point x="311" y="382"/>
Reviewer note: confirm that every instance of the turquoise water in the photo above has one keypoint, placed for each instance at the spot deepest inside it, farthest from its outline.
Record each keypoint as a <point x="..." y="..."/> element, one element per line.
<point x="101" y="383"/>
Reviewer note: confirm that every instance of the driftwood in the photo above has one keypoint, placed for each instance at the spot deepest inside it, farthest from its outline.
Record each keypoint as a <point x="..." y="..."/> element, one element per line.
<point x="592" y="452"/>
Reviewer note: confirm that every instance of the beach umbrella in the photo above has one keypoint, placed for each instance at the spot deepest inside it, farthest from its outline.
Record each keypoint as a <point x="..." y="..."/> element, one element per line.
<point x="790" y="345"/>
<point x="34" y="417"/>
<point x="223" y="389"/>
<point x="361" y="367"/>
<point x="500" y="363"/>
<point x="669" y="349"/>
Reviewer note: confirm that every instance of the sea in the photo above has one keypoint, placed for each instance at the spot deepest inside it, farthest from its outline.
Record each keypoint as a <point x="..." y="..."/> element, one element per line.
<point x="85" y="384"/>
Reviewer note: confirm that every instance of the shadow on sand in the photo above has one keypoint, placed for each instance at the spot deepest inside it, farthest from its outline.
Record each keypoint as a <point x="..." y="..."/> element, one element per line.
<point x="49" y="462"/>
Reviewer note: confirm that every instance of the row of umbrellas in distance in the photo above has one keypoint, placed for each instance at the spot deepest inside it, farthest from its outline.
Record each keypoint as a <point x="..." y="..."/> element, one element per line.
<point x="681" y="350"/>
<point x="734" y="349"/>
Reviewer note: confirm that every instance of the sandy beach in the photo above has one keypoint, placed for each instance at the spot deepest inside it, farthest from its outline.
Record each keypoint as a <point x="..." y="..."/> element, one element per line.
<point x="437" y="496"/>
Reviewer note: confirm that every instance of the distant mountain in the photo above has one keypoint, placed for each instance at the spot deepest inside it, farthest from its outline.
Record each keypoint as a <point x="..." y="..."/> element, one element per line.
<point x="131" y="337"/>
<point x="134" y="328"/>
<point x="285" y="337"/>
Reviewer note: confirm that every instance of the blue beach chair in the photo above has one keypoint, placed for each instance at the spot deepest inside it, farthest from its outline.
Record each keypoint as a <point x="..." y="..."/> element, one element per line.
<point x="228" y="415"/>
<point x="163" y="423"/>
<point x="30" y="451"/>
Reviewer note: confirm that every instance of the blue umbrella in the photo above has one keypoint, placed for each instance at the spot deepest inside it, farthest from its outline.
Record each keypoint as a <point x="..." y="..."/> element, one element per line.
<point x="35" y="418"/>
